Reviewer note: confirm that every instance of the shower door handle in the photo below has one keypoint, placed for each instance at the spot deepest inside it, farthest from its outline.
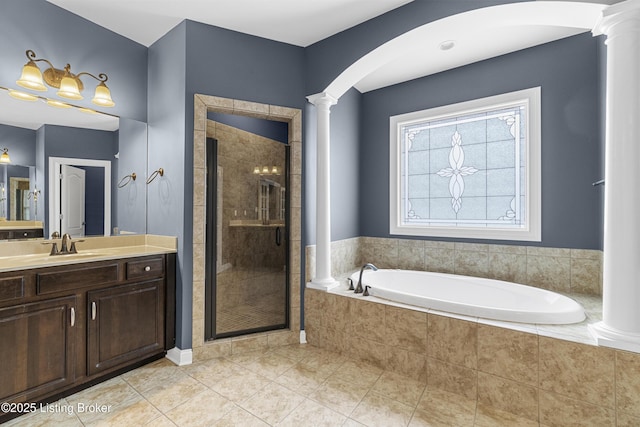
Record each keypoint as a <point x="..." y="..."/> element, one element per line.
<point x="278" y="236"/>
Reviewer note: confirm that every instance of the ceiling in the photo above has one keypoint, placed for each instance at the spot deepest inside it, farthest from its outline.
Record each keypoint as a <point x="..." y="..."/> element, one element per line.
<point x="297" y="22"/>
<point x="477" y="35"/>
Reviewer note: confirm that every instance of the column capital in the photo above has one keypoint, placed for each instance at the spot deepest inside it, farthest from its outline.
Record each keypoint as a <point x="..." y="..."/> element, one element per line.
<point x="322" y="98"/>
<point x="614" y="14"/>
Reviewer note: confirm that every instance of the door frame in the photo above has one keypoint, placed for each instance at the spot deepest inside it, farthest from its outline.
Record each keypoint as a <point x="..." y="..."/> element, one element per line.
<point x="67" y="195"/>
<point x="54" y="188"/>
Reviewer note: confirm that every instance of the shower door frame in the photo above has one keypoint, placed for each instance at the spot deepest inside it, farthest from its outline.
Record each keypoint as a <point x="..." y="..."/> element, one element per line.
<point x="202" y="127"/>
<point x="211" y="244"/>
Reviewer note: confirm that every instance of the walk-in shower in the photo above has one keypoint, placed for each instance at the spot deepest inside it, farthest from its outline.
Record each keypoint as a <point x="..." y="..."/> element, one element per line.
<point x="247" y="248"/>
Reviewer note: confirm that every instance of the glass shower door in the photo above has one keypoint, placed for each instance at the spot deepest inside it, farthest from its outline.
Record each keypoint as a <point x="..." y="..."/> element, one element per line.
<point x="248" y="269"/>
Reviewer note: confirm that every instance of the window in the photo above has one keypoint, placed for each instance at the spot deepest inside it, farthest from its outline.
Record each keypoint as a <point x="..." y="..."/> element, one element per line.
<point x="468" y="170"/>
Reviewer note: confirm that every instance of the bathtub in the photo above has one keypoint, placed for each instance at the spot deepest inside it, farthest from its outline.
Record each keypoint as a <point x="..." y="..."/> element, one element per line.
<point x="472" y="296"/>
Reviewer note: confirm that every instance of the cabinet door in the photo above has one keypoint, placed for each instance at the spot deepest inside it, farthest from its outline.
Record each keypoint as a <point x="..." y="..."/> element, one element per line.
<point x="126" y="323"/>
<point x="36" y="348"/>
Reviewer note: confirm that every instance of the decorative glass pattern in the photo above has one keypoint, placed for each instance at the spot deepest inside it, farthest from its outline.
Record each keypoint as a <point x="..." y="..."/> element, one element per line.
<point x="465" y="170"/>
<point x="468" y="170"/>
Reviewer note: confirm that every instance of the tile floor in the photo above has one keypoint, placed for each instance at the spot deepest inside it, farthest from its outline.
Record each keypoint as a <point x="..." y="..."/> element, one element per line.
<point x="297" y="386"/>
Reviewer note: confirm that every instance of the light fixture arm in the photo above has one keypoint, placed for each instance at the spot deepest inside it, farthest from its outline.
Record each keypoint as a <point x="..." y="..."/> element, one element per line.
<point x="31" y="55"/>
<point x="102" y="77"/>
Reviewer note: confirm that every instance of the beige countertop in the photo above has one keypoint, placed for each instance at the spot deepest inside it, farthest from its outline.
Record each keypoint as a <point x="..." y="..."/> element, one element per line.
<point x="35" y="253"/>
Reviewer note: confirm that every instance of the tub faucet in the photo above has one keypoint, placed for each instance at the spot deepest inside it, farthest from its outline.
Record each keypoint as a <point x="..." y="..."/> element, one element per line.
<point x="364" y="267"/>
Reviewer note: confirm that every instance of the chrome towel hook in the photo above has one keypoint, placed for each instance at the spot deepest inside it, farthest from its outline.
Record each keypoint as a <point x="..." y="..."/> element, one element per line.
<point x="127" y="179"/>
<point x="155" y="174"/>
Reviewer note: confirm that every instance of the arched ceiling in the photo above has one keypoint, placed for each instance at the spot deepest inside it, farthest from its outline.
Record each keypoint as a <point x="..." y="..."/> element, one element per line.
<point x="471" y="36"/>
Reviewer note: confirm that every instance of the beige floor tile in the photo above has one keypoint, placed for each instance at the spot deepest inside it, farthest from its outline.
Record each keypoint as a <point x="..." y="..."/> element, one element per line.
<point x="273" y="403"/>
<point x="174" y="393"/>
<point x="302" y="379"/>
<point x="201" y="410"/>
<point x="352" y="423"/>
<point x="340" y="395"/>
<point x="112" y="392"/>
<point x="212" y="371"/>
<point x="312" y="414"/>
<point x="440" y="408"/>
<point x="136" y="413"/>
<point x="269" y="365"/>
<point x="240" y="386"/>
<point x="361" y="373"/>
<point x="59" y="413"/>
<point x="399" y="387"/>
<point x="161" y="421"/>
<point x="378" y="410"/>
<point x="238" y="417"/>
<point x="151" y="375"/>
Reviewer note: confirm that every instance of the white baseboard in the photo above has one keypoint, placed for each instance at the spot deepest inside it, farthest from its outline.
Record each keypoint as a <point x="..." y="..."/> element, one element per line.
<point x="180" y="357"/>
<point x="303" y="337"/>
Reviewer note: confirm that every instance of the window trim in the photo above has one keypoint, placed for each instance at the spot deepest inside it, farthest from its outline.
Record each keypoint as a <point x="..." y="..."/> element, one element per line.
<point x="532" y="231"/>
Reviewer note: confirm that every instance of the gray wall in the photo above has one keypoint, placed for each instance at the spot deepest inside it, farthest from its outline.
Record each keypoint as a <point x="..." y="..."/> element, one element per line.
<point x="130" y="202"/>
<point x="568" y="72"/>
<point x="197" y="58"/>
<point x="62" y="37"/>
<point x="167" y="195"/>
<point x="21" y="143"/>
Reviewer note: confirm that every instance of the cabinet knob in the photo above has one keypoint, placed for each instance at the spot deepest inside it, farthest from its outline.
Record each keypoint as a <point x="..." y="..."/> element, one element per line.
<point x="147" y="268"/>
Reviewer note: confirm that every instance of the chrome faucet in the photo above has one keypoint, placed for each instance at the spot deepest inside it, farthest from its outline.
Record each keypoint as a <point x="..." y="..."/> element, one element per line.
<point x="364" y="267"/>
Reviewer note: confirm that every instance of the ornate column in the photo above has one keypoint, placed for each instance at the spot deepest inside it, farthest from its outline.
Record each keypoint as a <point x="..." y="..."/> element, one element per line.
<point x="323" y="280"/>
<point x="620" y="326"/>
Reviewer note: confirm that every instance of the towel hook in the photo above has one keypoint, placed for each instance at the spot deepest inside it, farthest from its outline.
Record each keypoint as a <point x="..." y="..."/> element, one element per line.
<point x="155" y="174"/>
<point x="127" y="179"/>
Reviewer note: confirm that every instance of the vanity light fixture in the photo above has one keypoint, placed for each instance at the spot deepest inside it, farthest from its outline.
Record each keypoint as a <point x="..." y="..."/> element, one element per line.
<point x="68" y="84"/>
<point x="4" y="157"/>
<point x="266" y="170"/>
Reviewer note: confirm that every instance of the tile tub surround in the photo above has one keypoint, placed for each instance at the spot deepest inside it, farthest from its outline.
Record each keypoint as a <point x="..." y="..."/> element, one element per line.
<point x="520" y="371"/>
<point x="556" y="269"/>
<point x="204" y="128"/>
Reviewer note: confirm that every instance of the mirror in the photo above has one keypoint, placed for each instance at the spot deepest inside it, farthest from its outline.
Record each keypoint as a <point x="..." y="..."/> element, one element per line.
<point x="18" y="199"/>
<point x="42" y="139"/>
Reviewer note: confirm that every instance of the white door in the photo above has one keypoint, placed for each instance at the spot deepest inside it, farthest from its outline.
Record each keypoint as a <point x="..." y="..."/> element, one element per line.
<point x="72" y="189"/>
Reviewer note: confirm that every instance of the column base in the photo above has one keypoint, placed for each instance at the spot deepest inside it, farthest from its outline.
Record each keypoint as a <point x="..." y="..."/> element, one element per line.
<point x="609" y="337"/>
<point x="323" y="284"/>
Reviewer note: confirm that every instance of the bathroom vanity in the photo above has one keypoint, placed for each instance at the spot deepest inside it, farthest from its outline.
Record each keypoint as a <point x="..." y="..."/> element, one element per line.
<point x="69" y="321"/>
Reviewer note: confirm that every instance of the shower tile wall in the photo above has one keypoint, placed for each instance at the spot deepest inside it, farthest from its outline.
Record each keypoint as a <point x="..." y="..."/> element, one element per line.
<point x="251" y="275"/>
<point x="203" y="129"/>
<point x="557" y="269"/>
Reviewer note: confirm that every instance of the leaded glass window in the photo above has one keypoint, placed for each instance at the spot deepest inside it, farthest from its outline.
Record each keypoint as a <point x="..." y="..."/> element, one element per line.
<point x="468" y="170"/>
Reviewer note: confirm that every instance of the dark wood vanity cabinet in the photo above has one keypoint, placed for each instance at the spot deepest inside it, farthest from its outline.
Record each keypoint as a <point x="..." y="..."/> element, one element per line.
<point x="37" y="351"/>
<point x="125" y="323"/>
<point x="67" y="326"/>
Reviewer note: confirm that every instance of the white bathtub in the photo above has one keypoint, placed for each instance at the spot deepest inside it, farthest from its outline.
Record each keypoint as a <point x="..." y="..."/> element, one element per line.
<point x="472" y="296"/>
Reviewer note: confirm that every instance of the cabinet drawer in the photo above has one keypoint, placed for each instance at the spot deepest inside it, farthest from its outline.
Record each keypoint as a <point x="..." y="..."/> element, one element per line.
<point x="146" y="268"/>
<point x="11" y="288"/>
<point x="68" y="279"/>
